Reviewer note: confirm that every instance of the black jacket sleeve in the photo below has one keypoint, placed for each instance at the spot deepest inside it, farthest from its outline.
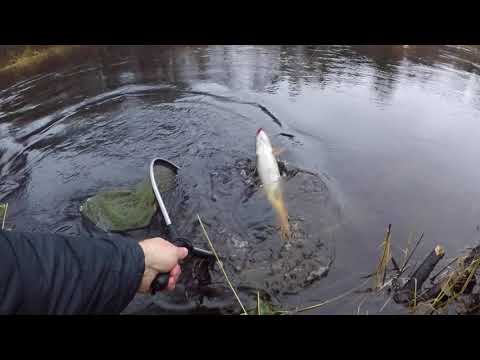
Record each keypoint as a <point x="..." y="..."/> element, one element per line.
<point x="55" y="274"/>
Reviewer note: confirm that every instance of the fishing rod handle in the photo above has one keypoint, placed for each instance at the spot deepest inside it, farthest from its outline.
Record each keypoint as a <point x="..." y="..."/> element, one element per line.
<point x="159" y="283"/>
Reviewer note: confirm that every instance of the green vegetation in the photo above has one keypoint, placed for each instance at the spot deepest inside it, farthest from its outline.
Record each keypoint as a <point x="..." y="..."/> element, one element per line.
<point x="3" y="214"/>
<point x="21" y="57"/>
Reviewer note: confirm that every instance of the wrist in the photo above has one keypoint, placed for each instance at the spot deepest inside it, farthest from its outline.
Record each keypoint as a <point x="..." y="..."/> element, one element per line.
<point x="148" y="274"/>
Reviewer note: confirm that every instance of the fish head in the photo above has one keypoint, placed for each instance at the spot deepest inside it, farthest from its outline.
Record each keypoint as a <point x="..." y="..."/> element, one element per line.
<point x="262" y="139"/>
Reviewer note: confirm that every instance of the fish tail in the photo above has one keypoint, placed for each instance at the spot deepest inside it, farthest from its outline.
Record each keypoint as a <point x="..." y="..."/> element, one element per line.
<point x="282" y="213"/>
<point x="284" y="224"/>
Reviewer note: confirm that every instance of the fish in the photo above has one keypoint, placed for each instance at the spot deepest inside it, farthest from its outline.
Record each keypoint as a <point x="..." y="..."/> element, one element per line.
<point x="267" y="169"/>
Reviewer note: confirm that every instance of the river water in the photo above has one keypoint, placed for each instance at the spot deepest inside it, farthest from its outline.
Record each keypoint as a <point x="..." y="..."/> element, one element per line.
<point x="391" y="131"/>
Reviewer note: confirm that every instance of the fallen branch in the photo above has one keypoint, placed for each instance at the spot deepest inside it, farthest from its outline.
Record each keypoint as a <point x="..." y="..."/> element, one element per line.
<point x="405" y="256"/>
<point x="395" y="265"/>
<point x="409" y="292"/>
<point x="411" y="254"/>
<point x="454" y="278"/>
<point x="432" y="279"/>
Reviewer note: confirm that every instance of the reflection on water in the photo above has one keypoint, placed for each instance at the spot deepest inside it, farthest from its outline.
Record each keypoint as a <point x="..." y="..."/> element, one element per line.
<point x="391" y="129"/>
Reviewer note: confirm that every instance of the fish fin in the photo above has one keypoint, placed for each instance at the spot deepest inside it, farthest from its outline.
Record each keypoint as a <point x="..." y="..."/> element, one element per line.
<point x="278" y="151"/>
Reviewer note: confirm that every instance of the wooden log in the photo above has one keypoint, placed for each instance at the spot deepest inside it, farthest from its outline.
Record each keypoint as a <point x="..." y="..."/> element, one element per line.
<point x="414" y="285"/>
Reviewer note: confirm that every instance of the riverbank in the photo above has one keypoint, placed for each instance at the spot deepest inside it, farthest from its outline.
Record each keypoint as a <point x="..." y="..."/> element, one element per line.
<point x="22" y="56"/>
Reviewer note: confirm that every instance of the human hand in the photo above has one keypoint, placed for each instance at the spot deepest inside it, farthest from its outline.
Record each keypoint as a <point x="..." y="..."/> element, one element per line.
<point x="161" y="256"/>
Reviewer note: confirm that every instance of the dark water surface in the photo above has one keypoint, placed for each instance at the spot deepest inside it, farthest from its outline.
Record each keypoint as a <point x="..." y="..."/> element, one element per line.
<point x="392" y="131"/>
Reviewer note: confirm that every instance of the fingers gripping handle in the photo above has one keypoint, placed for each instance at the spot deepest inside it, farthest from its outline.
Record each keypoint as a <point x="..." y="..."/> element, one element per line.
<point x="160" y="283"/>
